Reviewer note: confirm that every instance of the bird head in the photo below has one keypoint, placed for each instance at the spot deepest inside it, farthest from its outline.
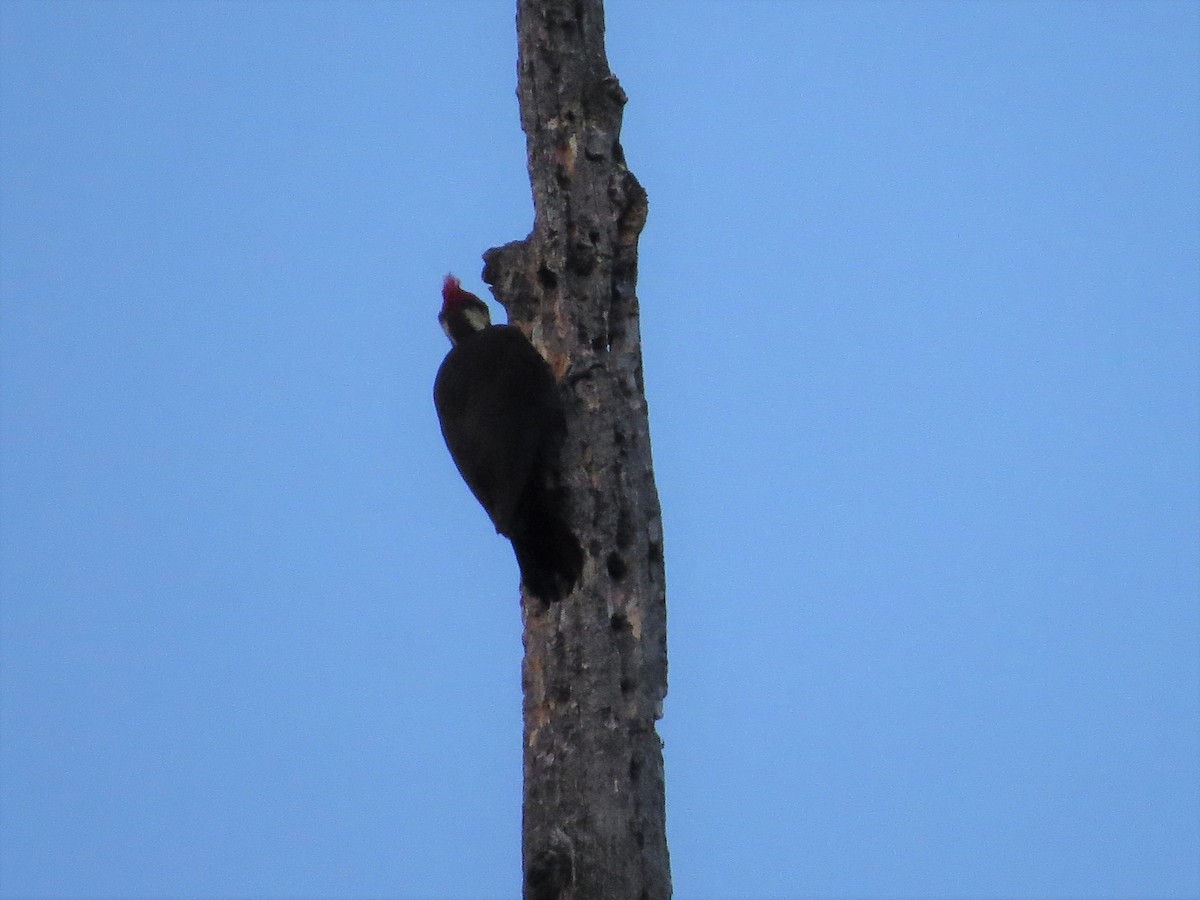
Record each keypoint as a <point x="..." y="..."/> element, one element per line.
<point x="462" y="312"/>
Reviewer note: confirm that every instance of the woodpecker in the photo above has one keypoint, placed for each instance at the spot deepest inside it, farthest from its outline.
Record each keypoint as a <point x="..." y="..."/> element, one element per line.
<point x="502" y="418"/>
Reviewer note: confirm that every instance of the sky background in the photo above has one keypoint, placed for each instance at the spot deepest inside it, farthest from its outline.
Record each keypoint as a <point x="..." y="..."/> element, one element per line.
<point x="921" y="317"/>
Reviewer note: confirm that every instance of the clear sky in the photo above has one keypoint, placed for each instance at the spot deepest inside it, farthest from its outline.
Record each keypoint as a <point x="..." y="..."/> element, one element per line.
<point x="921" y="314"/>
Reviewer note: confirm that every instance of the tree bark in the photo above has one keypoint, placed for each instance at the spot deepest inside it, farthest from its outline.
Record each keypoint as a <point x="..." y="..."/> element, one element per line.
<point x="595" y="667"/>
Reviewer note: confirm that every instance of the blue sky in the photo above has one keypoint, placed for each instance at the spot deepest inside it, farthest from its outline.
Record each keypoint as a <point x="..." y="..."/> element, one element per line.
<point x="921" y="318"/>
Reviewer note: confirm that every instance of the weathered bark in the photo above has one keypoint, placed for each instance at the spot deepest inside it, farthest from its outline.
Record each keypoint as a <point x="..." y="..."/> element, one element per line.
<point x="595" y="667"/>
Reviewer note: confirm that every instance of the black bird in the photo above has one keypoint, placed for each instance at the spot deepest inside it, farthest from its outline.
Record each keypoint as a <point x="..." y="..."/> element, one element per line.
<point x="502" y="418"/>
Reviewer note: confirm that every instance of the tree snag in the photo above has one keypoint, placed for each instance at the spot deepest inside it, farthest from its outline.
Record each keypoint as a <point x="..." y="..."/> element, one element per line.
<point x="595" y="667"/>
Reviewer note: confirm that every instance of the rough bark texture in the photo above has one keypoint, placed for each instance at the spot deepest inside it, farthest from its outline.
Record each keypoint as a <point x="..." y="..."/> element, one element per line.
<point x="595" y="667"/>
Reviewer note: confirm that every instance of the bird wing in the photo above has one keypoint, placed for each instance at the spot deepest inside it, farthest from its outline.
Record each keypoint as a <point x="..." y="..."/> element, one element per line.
<point x="499" y="409"/>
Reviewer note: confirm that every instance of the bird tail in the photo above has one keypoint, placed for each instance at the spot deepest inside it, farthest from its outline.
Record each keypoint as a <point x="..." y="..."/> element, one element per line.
<point x="547" y="551"/>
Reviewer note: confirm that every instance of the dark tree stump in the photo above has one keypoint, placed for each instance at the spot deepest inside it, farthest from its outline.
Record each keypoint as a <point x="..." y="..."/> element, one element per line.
<point x="595" y="667"/>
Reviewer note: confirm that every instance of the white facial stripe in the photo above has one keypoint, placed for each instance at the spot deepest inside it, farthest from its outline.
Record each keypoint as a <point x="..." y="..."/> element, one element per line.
<point x="477" y="317"/>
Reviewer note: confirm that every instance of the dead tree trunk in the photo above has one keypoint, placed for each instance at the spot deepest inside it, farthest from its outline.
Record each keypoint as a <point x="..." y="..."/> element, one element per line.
<point x="595" y="667"/>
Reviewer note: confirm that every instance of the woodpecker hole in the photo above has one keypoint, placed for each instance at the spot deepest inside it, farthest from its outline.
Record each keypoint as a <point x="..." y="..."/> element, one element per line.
<point x="581" y="254"/>
<point x="619" y="621"/>
<point x="617" y="569"/>
<point x="624" y="529"/>
<point x="546" y="278"/>
<point x="615" y="337"/>
<point x="628" y="684"/>
<point x="550" y="873"/>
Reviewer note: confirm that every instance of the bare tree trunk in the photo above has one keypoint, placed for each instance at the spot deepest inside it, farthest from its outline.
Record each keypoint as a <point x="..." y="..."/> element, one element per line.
<point x="595" y="668"/>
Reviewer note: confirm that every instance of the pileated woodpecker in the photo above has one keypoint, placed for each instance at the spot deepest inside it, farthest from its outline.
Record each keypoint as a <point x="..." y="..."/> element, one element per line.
<point x="502" y="418"/>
